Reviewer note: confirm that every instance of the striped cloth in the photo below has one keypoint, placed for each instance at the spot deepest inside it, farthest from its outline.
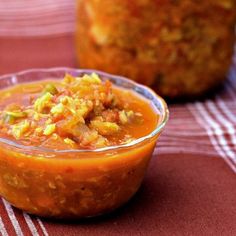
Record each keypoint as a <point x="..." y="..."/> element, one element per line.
<point x="207" y="128"/>
<point x="190" y="186"/>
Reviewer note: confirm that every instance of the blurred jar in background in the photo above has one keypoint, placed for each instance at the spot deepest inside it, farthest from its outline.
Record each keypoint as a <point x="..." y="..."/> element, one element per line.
<point x="179" y="47"/>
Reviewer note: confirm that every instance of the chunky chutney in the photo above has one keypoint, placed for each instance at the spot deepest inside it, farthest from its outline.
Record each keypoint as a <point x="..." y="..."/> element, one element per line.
<point x="51" y="135"/>
<point x="75" y="113"/>
<point x="180" y="47"/>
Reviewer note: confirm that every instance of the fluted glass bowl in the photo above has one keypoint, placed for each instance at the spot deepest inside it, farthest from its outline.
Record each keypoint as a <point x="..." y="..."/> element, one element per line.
<point x="75" y="183"/>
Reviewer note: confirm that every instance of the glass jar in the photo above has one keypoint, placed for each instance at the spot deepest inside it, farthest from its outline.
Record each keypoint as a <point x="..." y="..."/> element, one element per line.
<point x="181" y="48"/>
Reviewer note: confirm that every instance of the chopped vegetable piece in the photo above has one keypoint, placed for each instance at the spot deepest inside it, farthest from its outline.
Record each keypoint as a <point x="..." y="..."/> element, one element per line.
<point x="69" y="141"/>
<point x="19" y="129"/>
<point x="123" y="117"/>
<point x="36" y="116"/>
<point x="39" y="130"/>
<point x="9" y="119"/>
<point x="42" y="102"/>
<point x="49" y="129"/>
<point x="58" y="109"/>
<point x="50" y="88"/>
<point x="16" y="114"/>
<point x="105" y="128"/>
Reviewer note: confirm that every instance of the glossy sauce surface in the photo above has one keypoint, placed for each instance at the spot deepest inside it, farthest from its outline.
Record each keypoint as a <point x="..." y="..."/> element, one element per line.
<point x="130" y="118"/>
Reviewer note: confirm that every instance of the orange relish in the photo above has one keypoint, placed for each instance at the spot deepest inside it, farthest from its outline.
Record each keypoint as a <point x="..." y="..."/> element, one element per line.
<point x="74" y="113"/>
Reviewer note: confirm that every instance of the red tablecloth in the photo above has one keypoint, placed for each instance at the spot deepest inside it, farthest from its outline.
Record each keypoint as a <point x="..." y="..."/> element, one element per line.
<point x="190" y="186"/>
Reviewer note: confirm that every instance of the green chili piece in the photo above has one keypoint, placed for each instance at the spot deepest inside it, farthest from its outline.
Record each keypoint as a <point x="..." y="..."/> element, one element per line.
<point x="11" y="116"/>
<point x="9" y="119"/>
<point x="50" y="88"/>
<point x="16" y="114"/>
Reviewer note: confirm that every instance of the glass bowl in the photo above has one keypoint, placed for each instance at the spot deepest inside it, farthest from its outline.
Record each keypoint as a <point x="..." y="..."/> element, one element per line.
<point x="75" y="183"/>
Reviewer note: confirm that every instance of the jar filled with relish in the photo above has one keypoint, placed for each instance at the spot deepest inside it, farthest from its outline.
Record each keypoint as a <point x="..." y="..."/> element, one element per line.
<point x="182" y="48"/>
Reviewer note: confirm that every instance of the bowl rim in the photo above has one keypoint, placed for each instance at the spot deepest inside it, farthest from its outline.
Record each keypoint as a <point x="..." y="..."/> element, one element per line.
<point x="157" y="130"/>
